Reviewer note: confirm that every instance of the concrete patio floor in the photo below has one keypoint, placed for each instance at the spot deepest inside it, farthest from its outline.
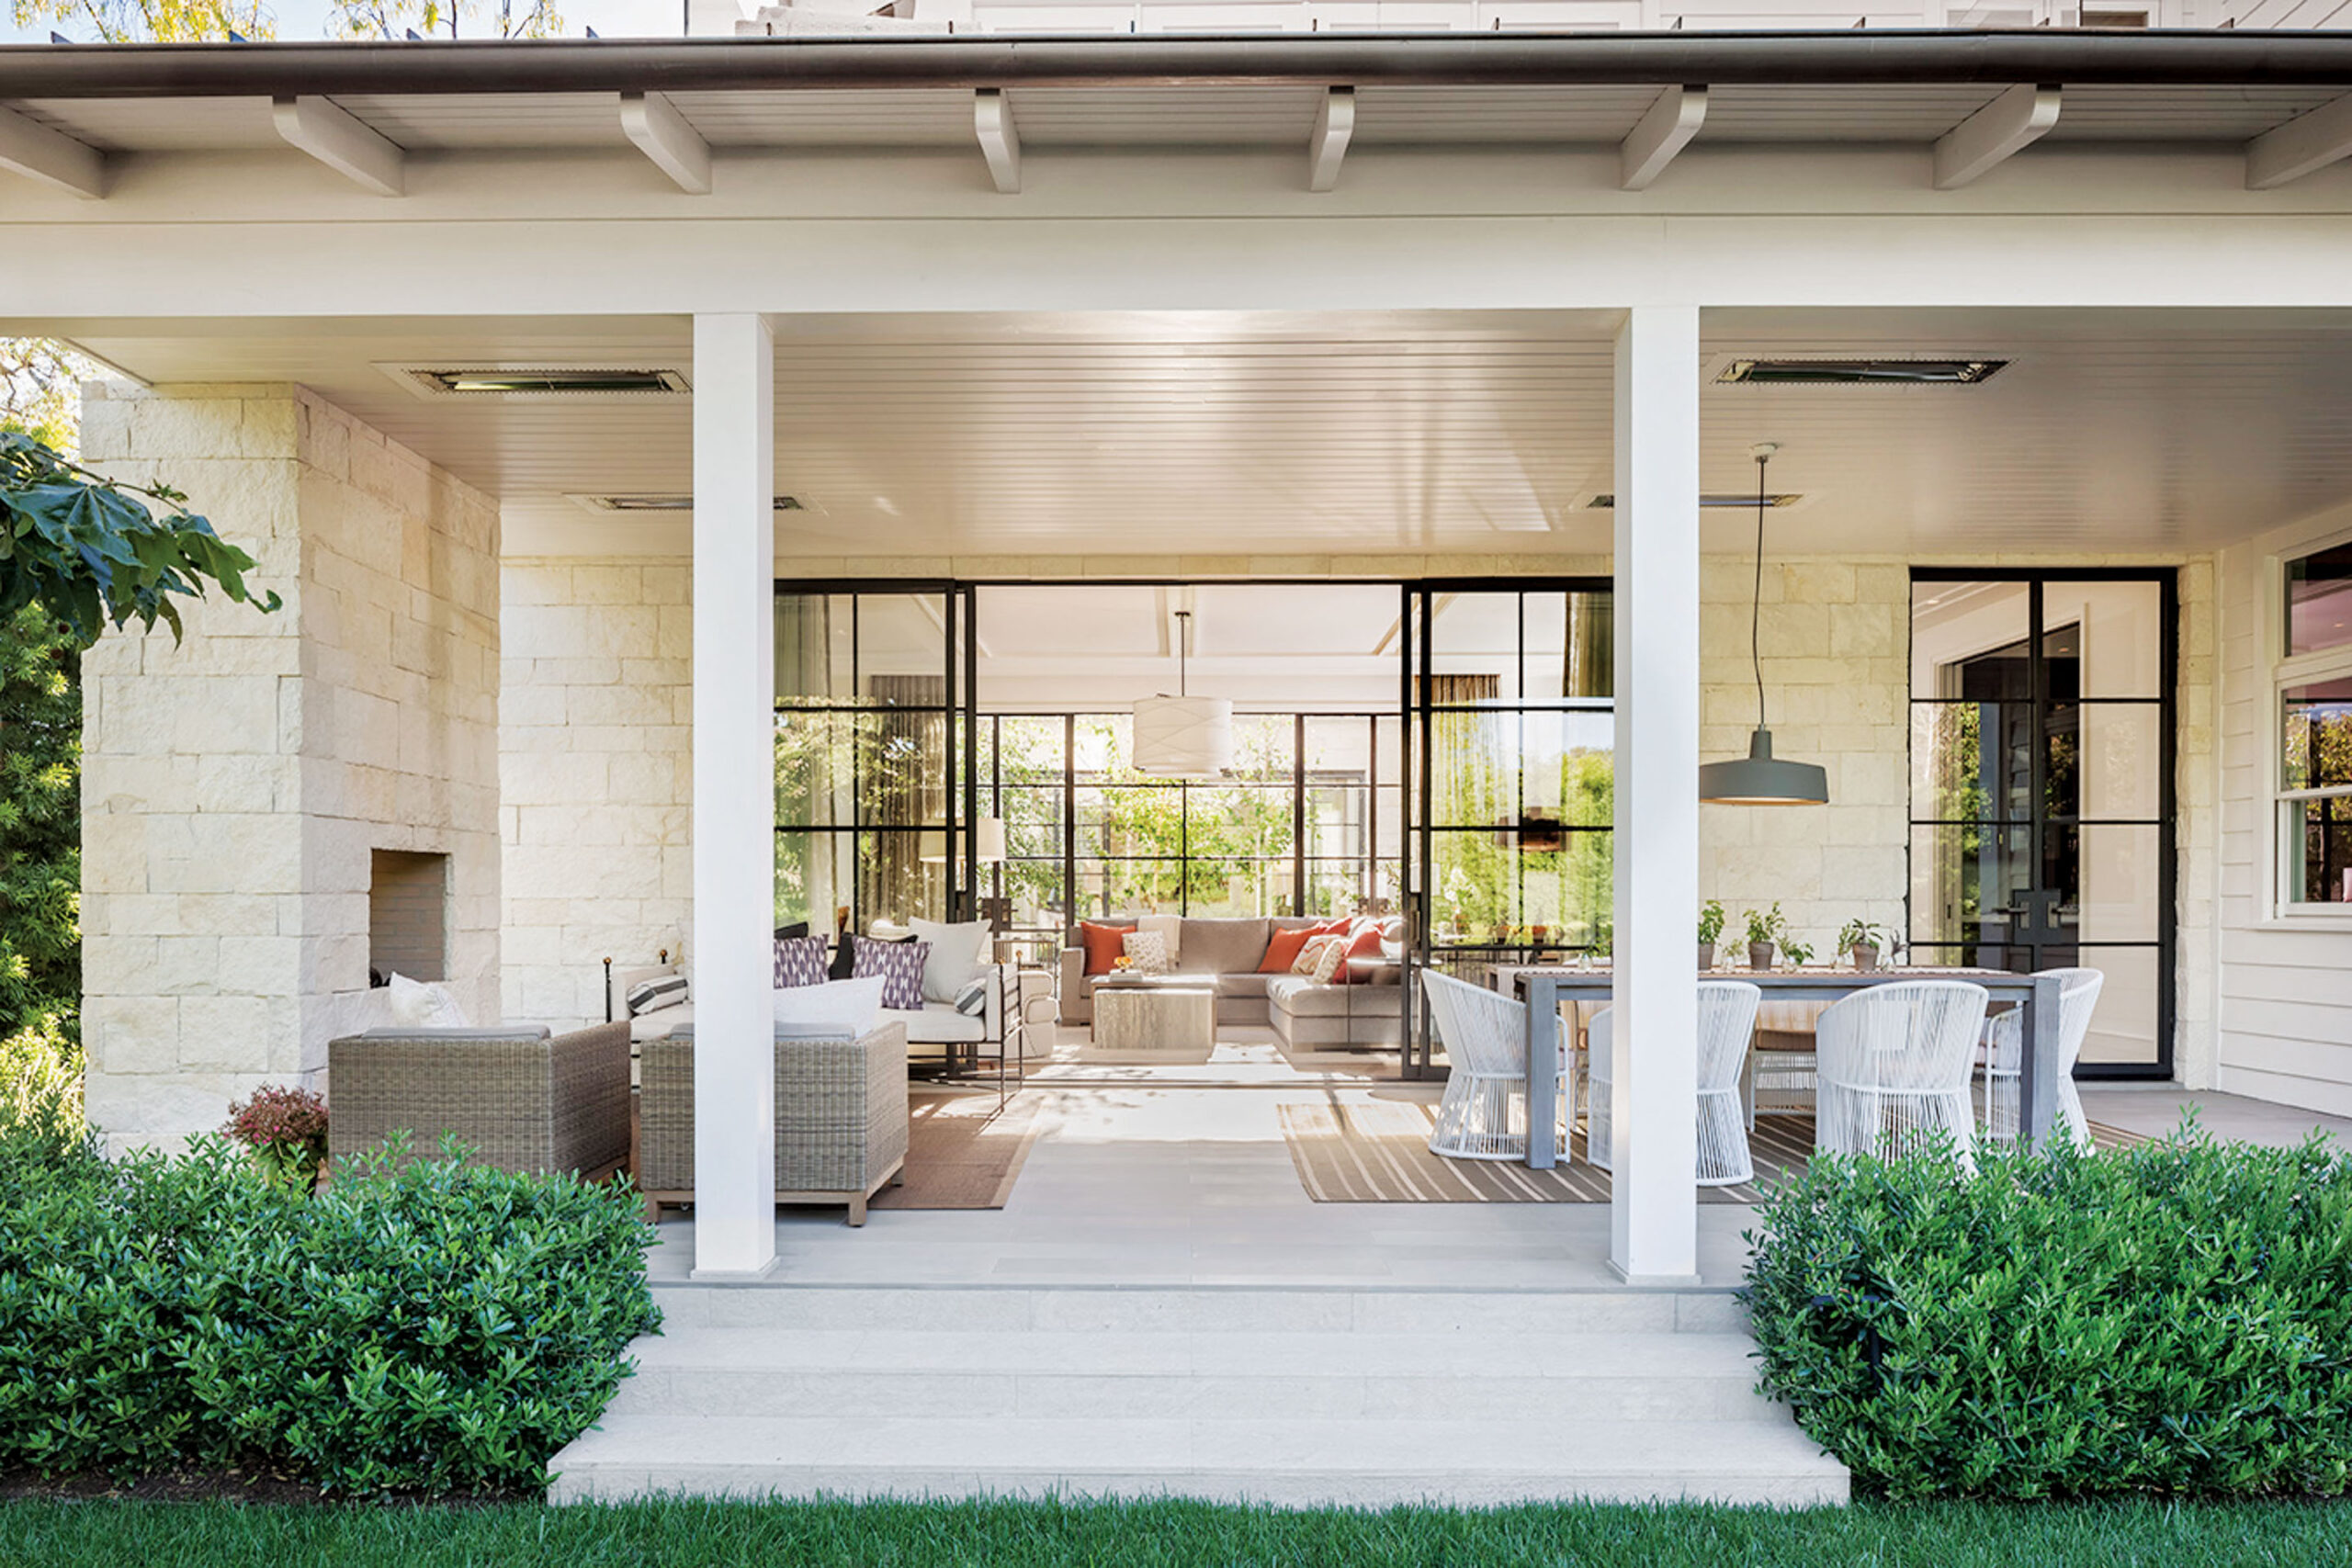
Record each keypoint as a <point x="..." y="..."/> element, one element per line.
<point x="1152" y="1181"/>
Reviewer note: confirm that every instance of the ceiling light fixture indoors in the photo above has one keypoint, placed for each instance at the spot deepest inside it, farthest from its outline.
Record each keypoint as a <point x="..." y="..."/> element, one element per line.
<point x="1760" y="778"/>
<point x="1182" y="736"/>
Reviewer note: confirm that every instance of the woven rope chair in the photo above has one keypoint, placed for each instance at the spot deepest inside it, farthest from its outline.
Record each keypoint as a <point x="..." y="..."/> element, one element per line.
<point x="1484" y="1113"/>
<point x="2004" y="1059"/>
<point x="1726" y="1024"/>
<point x="1894" y="1064"/>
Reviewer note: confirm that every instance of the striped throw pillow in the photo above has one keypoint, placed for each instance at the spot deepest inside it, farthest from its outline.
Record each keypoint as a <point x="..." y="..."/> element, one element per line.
<point x="653" y="995"/>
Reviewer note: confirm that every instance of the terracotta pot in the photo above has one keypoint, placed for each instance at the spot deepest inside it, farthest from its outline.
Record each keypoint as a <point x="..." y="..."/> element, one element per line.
<point x="1706" y="955"/>
<point x="1865" y="955"/>
<point x="1759" y="954"/>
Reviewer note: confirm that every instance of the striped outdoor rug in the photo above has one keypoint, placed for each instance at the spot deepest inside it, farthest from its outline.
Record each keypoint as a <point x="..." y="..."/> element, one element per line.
<point x="1377" y="1151"/>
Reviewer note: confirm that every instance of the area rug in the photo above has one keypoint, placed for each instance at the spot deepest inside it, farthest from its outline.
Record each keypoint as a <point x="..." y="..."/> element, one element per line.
<point x="962" y="1151"/>
<point x="1378" y="1152"/>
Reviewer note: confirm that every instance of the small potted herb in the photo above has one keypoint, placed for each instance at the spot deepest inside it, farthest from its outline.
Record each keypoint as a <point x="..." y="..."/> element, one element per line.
<point x="1798" y="953"/>
<point x="1864" y="941"/>
<point x="1765" y="930"/>
<point x="285" y="1128"/>
<point x="1711" y="931"/>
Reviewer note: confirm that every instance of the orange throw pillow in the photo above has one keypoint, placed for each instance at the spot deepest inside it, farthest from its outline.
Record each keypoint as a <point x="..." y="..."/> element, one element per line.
<point x="1103" y="945"/>
<point x="1283" y="951"/>
<point x="1365" y="944"/>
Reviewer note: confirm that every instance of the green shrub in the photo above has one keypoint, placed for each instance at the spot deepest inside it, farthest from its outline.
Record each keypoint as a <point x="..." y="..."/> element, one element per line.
<point x="2173" y="1318"/>
<point x="439" y="1329"/>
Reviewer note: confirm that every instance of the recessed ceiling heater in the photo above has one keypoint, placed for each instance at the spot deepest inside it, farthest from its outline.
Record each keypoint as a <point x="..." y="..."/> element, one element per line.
<point x="1807" y="371"/>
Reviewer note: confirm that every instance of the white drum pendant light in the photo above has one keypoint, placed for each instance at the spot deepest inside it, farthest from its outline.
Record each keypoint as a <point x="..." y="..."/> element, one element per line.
<point x="1760" y="778"/>
<point x="1184" y="736"/>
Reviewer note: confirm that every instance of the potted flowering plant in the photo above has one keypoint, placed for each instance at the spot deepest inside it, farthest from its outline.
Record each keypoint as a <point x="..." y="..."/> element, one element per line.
<point x="285" y="1128"/>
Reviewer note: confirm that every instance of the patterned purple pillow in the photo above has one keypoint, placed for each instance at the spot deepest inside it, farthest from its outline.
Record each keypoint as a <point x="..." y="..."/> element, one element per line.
<point x="899" y="964"/>
<point x="800" y="961"/>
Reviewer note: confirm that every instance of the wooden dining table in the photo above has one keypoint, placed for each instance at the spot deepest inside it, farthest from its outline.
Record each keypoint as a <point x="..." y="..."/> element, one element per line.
<point x="1545" y="987"/>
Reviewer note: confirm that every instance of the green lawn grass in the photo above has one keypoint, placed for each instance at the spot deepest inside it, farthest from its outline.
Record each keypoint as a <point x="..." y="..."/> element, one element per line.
<point x="1149" y="1535"/>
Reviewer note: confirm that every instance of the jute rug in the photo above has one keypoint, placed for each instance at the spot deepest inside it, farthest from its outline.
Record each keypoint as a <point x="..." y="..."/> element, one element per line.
<point x="962" y="1152"/>
<point x="1378" y="1152"/>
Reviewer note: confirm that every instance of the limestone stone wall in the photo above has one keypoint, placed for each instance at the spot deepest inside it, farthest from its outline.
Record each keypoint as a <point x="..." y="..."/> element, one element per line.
<point x="596" y="769"/>
<point x="234" y="786"/>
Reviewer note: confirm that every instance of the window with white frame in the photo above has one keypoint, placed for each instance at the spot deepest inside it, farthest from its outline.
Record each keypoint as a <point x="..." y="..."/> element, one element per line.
<point x="2315" y="709"/>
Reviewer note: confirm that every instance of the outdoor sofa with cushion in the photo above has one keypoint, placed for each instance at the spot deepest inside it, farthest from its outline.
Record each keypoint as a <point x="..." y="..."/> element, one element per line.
<point x="1231" y="953"/>
<point x="935" y="1027"/>
<point x="841" y="1118"/>
<point x="521" y="1097"/>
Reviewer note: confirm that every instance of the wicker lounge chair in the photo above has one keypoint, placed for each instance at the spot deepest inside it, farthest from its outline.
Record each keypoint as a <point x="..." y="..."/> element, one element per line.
<point x="522" y="1099"/>
<point x="840" y="1119"/>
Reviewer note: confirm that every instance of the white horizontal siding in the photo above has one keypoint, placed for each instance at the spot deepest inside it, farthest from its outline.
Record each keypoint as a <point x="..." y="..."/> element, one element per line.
<point x="2284" y="1002"/>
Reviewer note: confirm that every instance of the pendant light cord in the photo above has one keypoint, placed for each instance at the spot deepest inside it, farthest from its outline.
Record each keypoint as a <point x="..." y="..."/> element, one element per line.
<point x="1756" y="598"/>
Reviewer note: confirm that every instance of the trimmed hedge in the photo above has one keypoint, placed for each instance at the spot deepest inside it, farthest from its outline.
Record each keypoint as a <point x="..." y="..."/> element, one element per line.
<point x="441" y="1329"/>
<point x="2174" y="1318"/>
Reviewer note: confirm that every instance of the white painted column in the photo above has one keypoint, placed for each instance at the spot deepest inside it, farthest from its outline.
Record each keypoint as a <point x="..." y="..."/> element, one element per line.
<point x="734" y="825"/>
<point x="1654" y="1212"/>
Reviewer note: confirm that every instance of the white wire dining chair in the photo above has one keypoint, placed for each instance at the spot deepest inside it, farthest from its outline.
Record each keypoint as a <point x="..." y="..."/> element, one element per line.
<point x="2004" y="1057"/>
<point x="1726" y="1026"/>
<point x="1895" y="1061"/>
<point x="1483" y="1114"/>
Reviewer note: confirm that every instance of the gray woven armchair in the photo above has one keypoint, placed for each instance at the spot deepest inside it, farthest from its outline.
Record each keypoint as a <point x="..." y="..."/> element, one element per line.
<point x="522" y="1099"/>
<point x="840" y="1119"/>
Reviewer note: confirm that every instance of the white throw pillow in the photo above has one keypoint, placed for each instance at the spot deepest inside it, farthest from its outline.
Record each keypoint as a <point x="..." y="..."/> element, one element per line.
<point x="954" y="956"/>
<point x="1172" y="930"/>
<point x="1320" y="958"/>
<point x="414" y="1004"/>
<point x="1147" y="952"/>
<point x="837" y="1007"/>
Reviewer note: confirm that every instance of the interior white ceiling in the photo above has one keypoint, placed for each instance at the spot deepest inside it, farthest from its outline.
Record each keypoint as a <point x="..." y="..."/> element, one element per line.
<point x="1481" y="433"/>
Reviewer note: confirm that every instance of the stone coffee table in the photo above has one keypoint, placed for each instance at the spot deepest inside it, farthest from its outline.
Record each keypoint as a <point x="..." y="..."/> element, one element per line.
<point x="1156" y="1017"/>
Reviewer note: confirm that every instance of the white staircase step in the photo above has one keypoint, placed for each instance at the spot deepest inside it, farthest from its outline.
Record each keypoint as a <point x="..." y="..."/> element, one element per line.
<point x="1515" y="1456"/>
<point x="1229" y="1375"/>
<point x="1285" y="1396"/>
<point x="1112" y="1309"/>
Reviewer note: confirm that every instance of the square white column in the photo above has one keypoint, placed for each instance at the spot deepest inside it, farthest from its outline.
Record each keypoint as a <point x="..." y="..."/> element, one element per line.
<point x="1654" y="1210"/>
<point x="734" y="821"/>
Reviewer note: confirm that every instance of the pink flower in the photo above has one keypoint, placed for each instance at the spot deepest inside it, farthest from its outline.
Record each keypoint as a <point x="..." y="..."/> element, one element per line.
<point x="278" y="1115"/>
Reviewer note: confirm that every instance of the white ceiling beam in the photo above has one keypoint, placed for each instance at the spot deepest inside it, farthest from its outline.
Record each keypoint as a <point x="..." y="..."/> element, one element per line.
<point x="356" y="152"/>
<point x="36" y="151"/>
<point x="2010" y="123"/>
<point x="662" y="133"/>
<point x="1664" y="130"/>
<point x="1335" y="123"/>
<point x="1000" y="137"/>
<point x="2304" y="144"/>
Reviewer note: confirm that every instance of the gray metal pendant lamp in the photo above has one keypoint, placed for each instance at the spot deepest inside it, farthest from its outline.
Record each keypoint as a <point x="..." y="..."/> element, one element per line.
<point x="1760" y="778"/>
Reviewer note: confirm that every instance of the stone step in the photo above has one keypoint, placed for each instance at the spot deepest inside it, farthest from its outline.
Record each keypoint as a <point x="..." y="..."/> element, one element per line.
<point x="1222" y="1374"/>
<point x="1511" y="1455"/>
<point x="1115" y="1309"/>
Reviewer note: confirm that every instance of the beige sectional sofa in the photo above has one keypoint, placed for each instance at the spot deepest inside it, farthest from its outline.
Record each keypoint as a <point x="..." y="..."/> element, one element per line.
<point x="1229" y="952"/>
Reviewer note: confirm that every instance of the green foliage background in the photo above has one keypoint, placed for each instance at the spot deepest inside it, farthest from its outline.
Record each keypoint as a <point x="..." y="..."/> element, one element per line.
<point x="40" y="825"/>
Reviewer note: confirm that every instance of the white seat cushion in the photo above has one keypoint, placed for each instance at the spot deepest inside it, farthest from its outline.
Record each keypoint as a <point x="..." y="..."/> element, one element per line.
<point x="655" y="1025"/>
<point x="936" y="1023"/>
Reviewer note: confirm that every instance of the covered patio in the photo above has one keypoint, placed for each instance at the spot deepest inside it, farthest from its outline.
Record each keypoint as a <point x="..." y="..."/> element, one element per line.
<point x="534" y="630"/>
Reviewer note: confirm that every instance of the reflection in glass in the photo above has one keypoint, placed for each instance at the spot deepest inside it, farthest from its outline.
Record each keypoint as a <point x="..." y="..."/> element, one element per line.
<point x="2315" y="730"/>
<point x="2319" y="600"/>
<point x="2318" y="842"/>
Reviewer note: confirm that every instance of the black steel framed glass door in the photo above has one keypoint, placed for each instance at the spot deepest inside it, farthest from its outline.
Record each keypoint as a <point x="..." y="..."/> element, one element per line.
<point x="1508" y="687"/>
<point x="2042" y="789"/>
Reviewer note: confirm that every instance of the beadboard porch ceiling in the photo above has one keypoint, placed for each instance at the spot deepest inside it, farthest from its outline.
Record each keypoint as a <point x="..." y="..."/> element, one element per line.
<point x="2122" y="431"/>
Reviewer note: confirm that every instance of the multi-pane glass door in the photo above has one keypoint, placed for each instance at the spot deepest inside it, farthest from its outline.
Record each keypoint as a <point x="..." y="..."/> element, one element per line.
<point x="2041" y="744"/>
<point x="1510" y="697"/>
<point x="868" y="693"/>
